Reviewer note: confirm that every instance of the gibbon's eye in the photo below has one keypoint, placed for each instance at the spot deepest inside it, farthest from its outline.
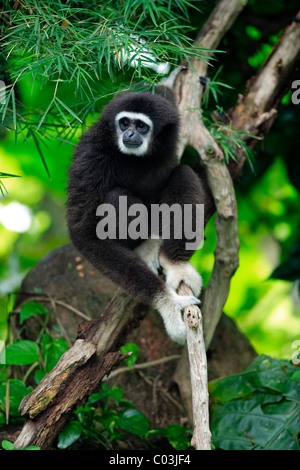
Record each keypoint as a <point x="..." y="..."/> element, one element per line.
<point x="124" y="124"/>
<point x="142" y="127"/>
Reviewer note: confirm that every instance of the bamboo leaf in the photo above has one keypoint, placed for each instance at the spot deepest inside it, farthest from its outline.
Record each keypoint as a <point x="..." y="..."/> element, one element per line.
<point x="32" y="133"/>
<point x="69" y="110"/>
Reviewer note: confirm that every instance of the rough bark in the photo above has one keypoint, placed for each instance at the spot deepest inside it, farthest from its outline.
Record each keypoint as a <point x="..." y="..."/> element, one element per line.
<point x="201" y="439"/>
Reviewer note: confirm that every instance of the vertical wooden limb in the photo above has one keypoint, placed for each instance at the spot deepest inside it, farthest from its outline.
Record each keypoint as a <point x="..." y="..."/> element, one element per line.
<point x="201" y="439"/>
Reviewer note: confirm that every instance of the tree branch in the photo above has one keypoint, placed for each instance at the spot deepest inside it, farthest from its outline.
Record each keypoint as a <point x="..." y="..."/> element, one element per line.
<point x="194" y="133"/>
<point x="201" y="439"/>
<point x="249" y="114"/>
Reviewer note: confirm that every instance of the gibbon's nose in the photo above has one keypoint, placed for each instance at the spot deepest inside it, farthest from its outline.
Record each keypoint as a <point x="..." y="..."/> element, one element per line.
<point x="131" y="137"/>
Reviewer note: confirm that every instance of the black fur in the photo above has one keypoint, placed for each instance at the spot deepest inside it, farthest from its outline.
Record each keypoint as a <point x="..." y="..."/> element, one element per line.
<point x="100" y="173"/>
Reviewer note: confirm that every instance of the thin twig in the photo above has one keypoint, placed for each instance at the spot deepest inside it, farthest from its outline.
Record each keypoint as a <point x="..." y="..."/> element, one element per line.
<point x="143" y="365"/>
<point x="165" y="395"/>
<point x="38" y="298"/>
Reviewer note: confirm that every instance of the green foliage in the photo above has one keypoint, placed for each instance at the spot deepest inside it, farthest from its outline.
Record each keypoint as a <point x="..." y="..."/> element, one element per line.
<point x="77" y="55"/>
<point x="265" y="309"/>
<point x="70" y="434"/>
<point x="257" y="409"/>
<point x="6" y="445"/>
<point x="30" y="309"/>
<point x="22" y="353"/>
<point x="178" y="436"/>
<point x="2" y="176"/>
<point x="231" y="140"/>
<point x="134" y="350"/>
<point x="42" y="355"/>
<point x="12" y="392"/>
<point x="107" y="417"/>
<point x="100" y="421"/>
<point x="52" y="350"/>
<point x="214" y="89"/>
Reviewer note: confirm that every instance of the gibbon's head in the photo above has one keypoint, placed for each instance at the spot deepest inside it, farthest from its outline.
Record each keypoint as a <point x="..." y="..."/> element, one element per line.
<point x="142" y="123"/>
<point x="134" y="132"/>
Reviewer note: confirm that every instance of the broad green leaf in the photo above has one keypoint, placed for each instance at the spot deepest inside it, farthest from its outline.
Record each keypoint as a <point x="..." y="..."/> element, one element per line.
<point x="52" y="350"/>
<point x="17" y="391"/>
<point x="242" y="425"/>
<point x="70" y="434"/>
<point x="229" y="388"/>
<point x="8" y="445"/>
<point x="263" y="372"/>
<point x="134" y="422"/>
<point x="39" y="375"/>
<point x="22" y="353"/>
<point x="267" y="417"/>
<point x="115" y="392"/>
<point x="32" y="308"/>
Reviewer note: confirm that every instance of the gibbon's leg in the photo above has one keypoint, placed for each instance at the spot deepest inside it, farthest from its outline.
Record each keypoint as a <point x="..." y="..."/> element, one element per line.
<point x="149" y="251"/>
<point x="148" y="248"/>
<point x="118" y="260"/>
<point x="184" y="187"/>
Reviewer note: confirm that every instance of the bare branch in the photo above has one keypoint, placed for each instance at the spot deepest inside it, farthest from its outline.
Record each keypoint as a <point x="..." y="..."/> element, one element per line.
<point x="201" y="439"/>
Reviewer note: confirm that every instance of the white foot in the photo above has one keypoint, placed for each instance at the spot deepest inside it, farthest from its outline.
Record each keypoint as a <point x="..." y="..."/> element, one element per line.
<point x="178" y="272"/>
<point x="170" y="306"/>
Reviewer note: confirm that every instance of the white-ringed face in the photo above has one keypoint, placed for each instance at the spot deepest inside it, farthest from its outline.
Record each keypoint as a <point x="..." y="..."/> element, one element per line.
<point x="134" y="132"/>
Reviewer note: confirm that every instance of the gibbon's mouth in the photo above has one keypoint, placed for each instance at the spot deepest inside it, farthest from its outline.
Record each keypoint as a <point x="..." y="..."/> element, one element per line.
<point x="131" y="145"/>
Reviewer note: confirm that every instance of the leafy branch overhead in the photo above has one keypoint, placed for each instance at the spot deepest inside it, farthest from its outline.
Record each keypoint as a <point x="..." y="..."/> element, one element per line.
<point x="73" y="54"/>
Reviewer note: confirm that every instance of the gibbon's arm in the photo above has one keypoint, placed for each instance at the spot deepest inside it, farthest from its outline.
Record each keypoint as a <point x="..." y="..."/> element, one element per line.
<point x="124" y="267"/>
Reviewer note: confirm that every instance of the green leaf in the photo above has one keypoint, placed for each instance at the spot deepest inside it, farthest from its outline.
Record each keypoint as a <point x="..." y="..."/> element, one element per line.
<point x="242" y="425"/>
<point x="17" y="391"/>
<point x="135" y="422"/>
<point x="52" y="350"/>
<point x="34" y="136"/>
<point x="264" y="372"/>
<point x="266" y="417"/>
<point x="23" y="352"/>
<point x="30" y="309"/>
<point x="8" y="445"/>
<point x="70" y="434"/>
<point x="69" y="110"/>
<point x="106" y="393"/>
<point x="109" y="419"/>
<point x="39" y="375"/>
<point x="134" y="349"/>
